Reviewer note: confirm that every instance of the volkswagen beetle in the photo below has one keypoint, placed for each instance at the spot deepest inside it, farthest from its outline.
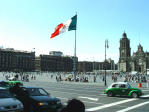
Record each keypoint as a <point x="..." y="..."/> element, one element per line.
<point x="122" y="89"/>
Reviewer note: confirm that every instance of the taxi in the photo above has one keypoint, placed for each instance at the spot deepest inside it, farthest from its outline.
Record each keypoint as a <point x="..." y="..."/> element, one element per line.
<point x="12" y="83"/>
<point x="122" y="89"/>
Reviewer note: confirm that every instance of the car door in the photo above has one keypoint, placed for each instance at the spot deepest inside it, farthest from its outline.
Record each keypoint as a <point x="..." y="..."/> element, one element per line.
<point x="115" y="89"/>
<point x="124" y="89"/>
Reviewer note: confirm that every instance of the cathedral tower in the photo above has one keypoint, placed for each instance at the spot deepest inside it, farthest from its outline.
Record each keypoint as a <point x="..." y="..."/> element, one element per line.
<point x="125" y="54"/>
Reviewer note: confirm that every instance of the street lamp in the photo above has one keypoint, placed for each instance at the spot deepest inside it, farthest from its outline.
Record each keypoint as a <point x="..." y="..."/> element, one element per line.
<point x="106" y="46"/>
<point x="93" y="64"/>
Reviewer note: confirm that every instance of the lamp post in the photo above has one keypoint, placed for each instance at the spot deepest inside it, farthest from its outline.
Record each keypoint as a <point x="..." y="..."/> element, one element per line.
<point x="106" y="46"/>
<point x="93" y="64"/>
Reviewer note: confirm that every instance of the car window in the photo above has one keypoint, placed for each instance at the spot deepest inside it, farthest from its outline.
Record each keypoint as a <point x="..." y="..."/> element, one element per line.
<point x="122" y="86"/>
<point x="115" y="86"/>
<point x="43" y="92"/>
<point x="5" y="94"/>
<point x="37" y="92"/>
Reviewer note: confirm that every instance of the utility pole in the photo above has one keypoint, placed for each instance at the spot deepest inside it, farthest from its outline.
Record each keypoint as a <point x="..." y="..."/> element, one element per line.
<point x="106" y="46"/>
<point x="93" y="64"/>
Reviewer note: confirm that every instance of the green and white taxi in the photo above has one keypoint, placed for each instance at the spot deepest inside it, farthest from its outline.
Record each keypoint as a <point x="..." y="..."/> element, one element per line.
<point x="122" y="89"/>
<point x="12" y="83"/>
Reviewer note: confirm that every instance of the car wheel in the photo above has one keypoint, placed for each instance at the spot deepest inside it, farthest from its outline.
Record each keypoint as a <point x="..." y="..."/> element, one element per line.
<point x="110" y="94"/>
<point x="134" y="95"/>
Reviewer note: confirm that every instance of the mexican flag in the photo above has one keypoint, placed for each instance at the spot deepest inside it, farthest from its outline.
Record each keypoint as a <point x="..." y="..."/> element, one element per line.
<point x="66" y="26"/>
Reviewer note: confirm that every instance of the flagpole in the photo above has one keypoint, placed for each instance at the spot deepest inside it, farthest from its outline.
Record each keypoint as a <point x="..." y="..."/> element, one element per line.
<point x="75" y="59"/>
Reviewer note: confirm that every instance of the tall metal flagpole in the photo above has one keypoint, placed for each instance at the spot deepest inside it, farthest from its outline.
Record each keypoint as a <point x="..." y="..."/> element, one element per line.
<point x="74" y="61"/>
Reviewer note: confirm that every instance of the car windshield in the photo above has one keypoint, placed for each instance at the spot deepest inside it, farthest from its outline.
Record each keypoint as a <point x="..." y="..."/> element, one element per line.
<point x="4" y="93"/>
<point x="37" y="92"/>
<point x="4" y="84"/>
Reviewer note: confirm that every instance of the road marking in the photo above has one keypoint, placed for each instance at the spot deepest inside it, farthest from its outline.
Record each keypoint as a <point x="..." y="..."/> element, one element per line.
<point x="144" y="96"/>
<point x="133" y="107"/>
<point x="110" y="105"/>
<point x="92" y="102"/>
<point x="94" y="99"/>
<point x="145" y="90"/>
<point x="82" y="100"/>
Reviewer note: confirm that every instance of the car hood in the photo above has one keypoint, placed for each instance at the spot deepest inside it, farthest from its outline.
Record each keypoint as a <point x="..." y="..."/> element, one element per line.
<point x="44" y="98"/>
<point x="9" y="101"/>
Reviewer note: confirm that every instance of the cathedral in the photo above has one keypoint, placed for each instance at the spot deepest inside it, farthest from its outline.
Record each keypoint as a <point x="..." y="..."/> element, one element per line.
<point x="139" y="61"/>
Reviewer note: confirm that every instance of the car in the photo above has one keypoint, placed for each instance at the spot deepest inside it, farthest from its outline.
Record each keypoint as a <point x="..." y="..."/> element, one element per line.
<point x="4" y="84"/>
<point x="12" y="78"/>
<point x="8" y="103"/>
<point x="122" y="89"/>
<point x="36" y="99"/>
<point x="12" y="83"/>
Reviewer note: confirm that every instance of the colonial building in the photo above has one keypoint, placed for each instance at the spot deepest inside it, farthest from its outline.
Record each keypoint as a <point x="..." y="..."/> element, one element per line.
<point x="54" y="63"/>
<point x="88" y="66"/>
<point x="16" y="60"/>
<point x="139" y="61"/>
<point x="85" y="66"/>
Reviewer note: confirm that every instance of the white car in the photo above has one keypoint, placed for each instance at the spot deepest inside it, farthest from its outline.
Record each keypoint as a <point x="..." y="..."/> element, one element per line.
<point x="12" y="79"/>
<point x="8" y="103"/>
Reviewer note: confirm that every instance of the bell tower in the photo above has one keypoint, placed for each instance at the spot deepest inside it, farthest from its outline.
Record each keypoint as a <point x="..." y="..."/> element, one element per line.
<point x="124" y="53"/>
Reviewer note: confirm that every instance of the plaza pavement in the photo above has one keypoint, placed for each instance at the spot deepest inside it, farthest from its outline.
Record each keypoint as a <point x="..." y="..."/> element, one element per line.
<point x="46" y="77"/>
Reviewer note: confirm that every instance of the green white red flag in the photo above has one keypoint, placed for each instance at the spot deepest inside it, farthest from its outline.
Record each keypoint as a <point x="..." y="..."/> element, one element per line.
<point x="65" y="27"/>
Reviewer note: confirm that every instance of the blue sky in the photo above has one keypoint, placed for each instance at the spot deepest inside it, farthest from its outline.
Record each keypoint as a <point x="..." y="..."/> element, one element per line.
<point x="28" y="24"/>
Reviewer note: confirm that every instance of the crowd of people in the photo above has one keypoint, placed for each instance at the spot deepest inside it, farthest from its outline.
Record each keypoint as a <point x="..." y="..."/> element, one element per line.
<point x="80" y="77"/>
<point x="19" y="76"/>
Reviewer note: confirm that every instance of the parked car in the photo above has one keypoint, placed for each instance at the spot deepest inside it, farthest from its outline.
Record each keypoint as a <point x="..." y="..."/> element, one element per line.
<point x="8" y="103"/>
<point x="36" y="99"/>
<point x="4" y="84"/>
<point x="122" y="89"/>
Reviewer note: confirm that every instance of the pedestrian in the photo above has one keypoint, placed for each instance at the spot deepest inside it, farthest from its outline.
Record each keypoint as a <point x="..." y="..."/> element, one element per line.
<point x="103" y="78"/>
<point x="51" y="76"/>
<point x="56" y="79"/>
<point x="34" y="77"/>
<point x="147" y="83"/>
<point x="94" y="78"/>
<point x="15" y="89"/>
<point x="125" y="79"/>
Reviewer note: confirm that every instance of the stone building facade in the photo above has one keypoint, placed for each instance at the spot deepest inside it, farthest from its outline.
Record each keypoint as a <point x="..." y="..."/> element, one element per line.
<point x="88" y="66"/>
<point x="54" y="63"/>
<point x="139" y="61"/>
<point x="16" y="60"/>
